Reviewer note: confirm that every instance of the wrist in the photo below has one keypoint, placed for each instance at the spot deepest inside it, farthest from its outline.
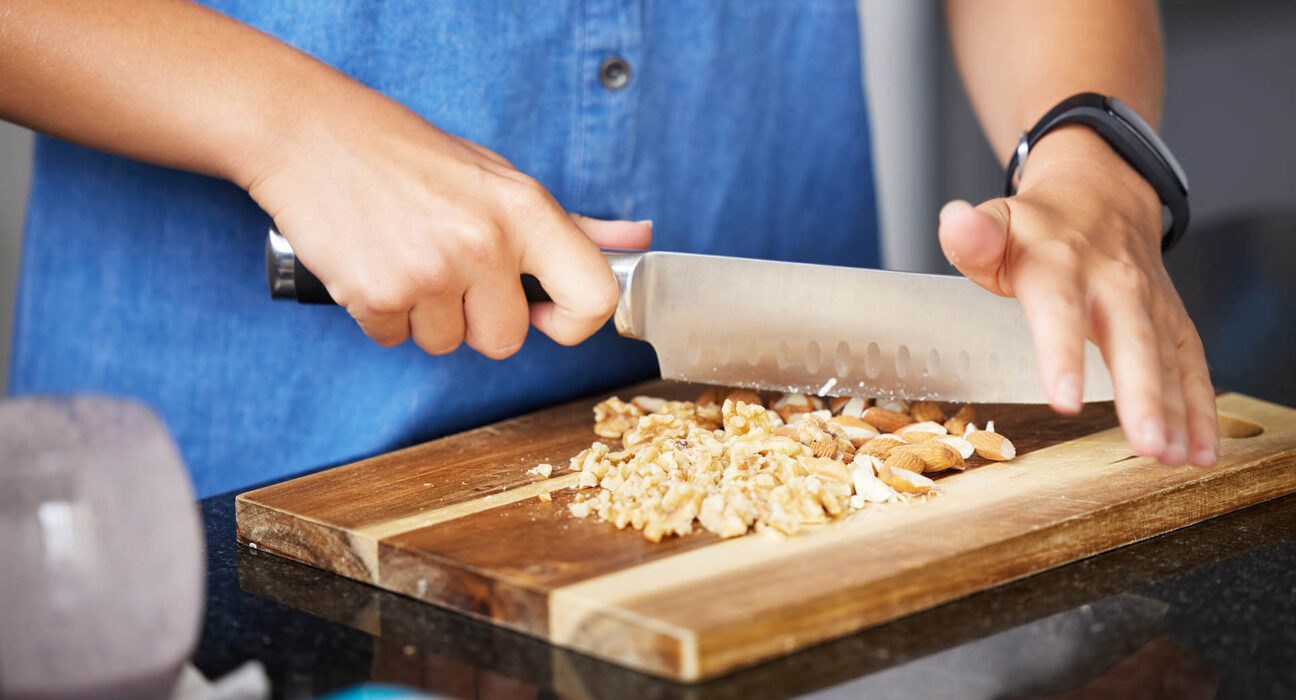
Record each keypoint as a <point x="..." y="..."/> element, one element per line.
<point x="1075" y="152"/>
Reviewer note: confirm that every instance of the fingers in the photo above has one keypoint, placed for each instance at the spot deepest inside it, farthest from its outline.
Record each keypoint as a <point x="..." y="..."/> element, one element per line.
<point x="1172" y="404"/>
<point x="572" y="270"/>
<point x="975" y="240"/>
<point x="1124" y="332"/>
<point x="497" y="315"/>
<point x="437" y="323"/>
<point x="1052" y="296"/>
<point x="617" y="235"/>
<point x="388" y="329"/>
<point x="1199" y="400"/>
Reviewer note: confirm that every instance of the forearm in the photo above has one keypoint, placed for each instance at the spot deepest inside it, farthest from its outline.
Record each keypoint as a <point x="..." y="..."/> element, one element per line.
<point x="166" y="81"/>
<point x="1018" y="58"/>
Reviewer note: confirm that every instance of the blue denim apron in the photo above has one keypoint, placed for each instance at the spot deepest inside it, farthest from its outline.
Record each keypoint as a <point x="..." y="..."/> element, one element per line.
<point x="742" y="131"/>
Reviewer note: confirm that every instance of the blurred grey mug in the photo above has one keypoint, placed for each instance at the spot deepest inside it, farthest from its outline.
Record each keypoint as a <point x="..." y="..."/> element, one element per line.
<point x="101" y="551"/>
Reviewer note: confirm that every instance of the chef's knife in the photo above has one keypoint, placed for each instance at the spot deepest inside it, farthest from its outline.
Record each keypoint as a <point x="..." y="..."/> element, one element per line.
<point x="818" y="329"/>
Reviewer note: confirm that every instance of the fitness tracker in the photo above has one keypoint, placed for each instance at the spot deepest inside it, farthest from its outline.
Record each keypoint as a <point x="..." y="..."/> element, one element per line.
<point x="1131" y="138"/>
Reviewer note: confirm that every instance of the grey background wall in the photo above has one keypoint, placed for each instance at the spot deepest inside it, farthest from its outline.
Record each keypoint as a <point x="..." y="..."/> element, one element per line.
<point x="1231" y="97"/>
<point x="15" y="173"/>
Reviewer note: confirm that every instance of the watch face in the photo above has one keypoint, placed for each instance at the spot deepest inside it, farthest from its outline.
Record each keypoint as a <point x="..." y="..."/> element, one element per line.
<point x="1149" y="136"/>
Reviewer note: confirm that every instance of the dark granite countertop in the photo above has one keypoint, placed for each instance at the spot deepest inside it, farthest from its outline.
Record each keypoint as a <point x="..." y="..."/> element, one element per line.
<point x="1206" y="611"/>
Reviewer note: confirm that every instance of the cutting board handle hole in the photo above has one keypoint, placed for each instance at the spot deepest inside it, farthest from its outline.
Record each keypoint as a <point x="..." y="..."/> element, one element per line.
<point x="1234" y="427"/>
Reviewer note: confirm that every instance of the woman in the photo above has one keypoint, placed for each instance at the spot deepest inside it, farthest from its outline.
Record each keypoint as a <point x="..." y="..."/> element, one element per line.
<point x="419" y="158"/>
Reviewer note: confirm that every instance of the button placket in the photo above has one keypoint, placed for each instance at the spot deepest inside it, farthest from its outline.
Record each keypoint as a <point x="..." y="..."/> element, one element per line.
<point x="610" y="48"/>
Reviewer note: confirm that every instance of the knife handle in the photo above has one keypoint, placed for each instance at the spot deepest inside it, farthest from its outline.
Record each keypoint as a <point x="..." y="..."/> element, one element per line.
<point x="290" y="279"/>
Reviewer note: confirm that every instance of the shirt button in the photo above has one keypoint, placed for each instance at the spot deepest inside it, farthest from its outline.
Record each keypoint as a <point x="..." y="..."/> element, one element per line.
<point x="614" y="73"/>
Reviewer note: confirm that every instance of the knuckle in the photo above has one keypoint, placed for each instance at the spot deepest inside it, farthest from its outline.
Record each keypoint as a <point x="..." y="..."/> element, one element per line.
<point x="1126" y="278"/>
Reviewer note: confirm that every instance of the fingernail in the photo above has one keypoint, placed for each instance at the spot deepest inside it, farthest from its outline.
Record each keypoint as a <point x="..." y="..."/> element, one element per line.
<point x="645" y="221"/>
<point x="1205" y="458"/>
<point x="1067" y="393"/>
<point x="1153" y="435"/>
<point x="953" y="206"/>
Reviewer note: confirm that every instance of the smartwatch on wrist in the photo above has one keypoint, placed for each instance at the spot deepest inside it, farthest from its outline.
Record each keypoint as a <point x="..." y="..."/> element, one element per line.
<point x="1132" y="138"/>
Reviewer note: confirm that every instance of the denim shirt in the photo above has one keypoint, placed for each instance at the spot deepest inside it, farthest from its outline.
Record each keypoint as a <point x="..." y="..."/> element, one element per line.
<point x="742" y="130"/>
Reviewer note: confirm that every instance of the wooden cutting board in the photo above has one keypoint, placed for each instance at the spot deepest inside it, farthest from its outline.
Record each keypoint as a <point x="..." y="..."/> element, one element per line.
<point x="455" y="522"/>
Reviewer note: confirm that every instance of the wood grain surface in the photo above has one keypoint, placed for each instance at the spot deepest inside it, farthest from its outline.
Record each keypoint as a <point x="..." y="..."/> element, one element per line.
<point x="455" y="522"/>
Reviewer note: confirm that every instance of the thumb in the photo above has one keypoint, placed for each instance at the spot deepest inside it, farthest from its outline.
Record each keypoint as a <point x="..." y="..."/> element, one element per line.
<point x="619" y="235"/>
<point x="974" y="240"/>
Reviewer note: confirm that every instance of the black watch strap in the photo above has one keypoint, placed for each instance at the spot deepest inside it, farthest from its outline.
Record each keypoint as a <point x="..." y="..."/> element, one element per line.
<point x="1129" y="136"/>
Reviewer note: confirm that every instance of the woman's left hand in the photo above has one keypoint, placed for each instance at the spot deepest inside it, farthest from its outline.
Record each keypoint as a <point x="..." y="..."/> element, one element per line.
<point x="1079" y="246"/>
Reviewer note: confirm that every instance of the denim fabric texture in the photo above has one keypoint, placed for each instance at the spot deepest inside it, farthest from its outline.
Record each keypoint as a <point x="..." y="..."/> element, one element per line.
<point x="742" y="131"/>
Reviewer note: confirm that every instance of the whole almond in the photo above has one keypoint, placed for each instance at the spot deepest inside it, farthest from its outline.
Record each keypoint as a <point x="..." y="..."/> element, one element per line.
<point x="966" y="413"/>
<point x="886" y="420"/>
<point x="707" y="398"/>
<point x="905" y="460"/>
<point x="956" y="426"/>
<point x="824" y="448"/>
<point x="837" y="403"/>
<point x="881" y="445"/>
<point x="935" y="456"/>
<point x="927" y="411"/>
<point x="992" y="445"/>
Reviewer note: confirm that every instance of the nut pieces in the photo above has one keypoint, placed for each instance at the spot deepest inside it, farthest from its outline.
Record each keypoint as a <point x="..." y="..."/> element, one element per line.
<point x="732" y="464"/>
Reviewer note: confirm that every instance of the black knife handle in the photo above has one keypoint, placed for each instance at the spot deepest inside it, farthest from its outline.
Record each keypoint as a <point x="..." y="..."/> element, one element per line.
<point x="291" y="280"/>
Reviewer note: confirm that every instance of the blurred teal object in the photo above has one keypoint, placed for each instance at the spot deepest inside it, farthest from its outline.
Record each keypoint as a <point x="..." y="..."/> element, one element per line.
<point x="376" y="691"/>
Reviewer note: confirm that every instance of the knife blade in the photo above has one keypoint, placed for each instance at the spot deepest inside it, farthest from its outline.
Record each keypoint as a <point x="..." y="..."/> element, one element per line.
<point x="816" y="329"/>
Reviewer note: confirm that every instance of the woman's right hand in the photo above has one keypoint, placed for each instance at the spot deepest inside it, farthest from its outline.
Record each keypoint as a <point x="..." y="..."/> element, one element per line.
<point x="422" y="234"/>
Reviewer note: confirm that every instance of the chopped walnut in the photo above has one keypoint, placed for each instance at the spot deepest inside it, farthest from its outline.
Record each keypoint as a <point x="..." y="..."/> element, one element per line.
<point x="731" y="465"/>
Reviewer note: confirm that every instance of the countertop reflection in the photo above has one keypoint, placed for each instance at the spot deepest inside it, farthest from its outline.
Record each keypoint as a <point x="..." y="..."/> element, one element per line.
<point x="1201" y="612"/>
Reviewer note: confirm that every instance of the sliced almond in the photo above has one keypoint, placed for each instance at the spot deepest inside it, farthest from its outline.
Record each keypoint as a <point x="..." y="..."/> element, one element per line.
<point x="855" y="407"/>
<point x="921" y="432"/>
<point x="992" y="445"/>
<point x="935" y="456"/>
<point x="927" y="411"/>
<point x="745" y="396"/>
<point x="789" y="405"/>
<point x="964" y="447"/>
<point x="870" y="488"/>
<point x="906" y="481"/>
<point x="886" y="420"/>
<point x="855" y="429"/>
<point x="870" y="463"/>
<point x="897" y="405"/>
<point x="648" y="404"/>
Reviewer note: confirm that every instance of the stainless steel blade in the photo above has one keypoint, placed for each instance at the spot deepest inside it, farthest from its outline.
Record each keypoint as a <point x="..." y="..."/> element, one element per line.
<point x="833" y="330"/>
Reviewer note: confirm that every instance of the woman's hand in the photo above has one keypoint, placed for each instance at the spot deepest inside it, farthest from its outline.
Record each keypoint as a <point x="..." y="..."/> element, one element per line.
<point x="422" y="234"/>
<point x="1079" y="247"/>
